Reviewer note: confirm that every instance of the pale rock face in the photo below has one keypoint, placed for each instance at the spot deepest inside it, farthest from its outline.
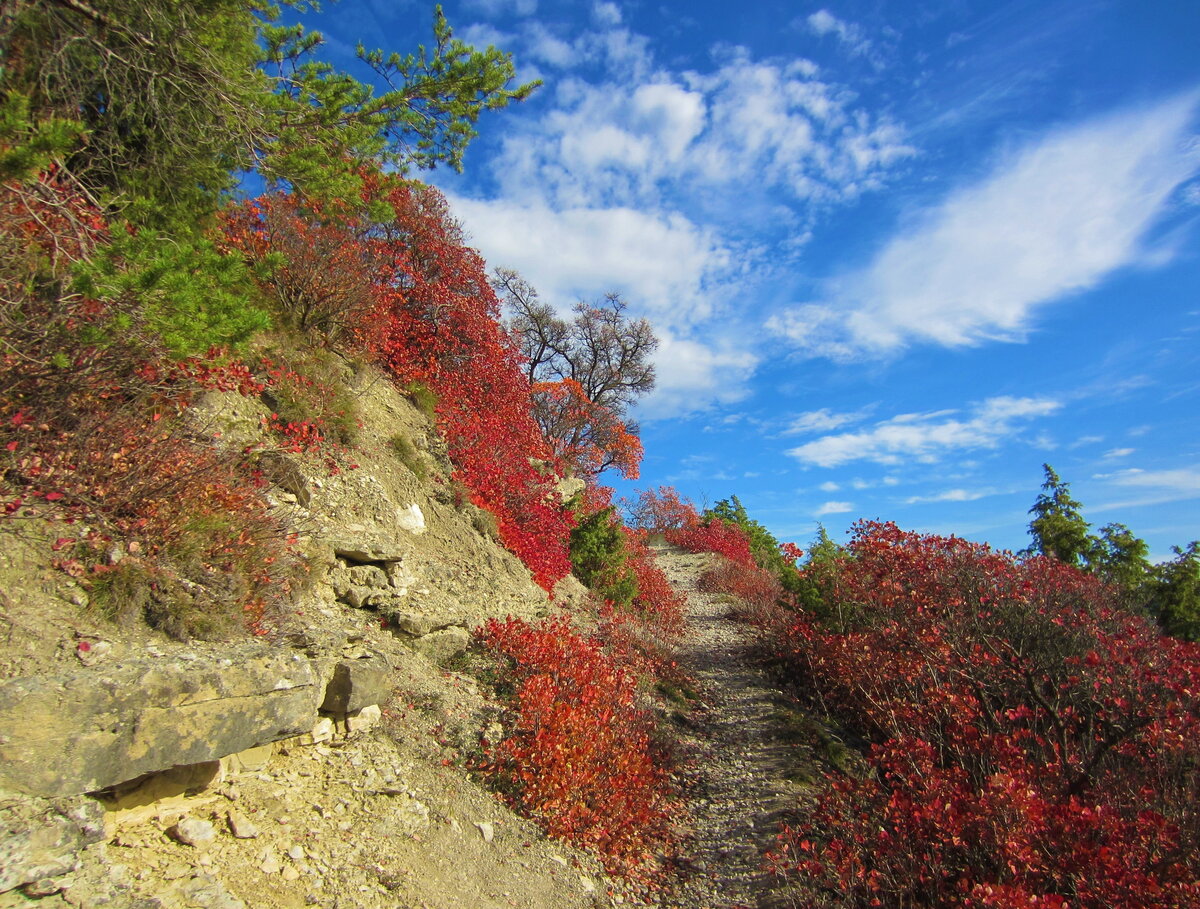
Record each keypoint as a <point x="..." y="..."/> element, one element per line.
<point x="364" y="719"/>
<point x="194" y="831"/>
<point x="411" y="519"/>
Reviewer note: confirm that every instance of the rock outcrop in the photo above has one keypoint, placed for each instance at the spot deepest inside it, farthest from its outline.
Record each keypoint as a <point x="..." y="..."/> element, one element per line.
<point x="83" y="731"/>
<point x="137" y="772"/>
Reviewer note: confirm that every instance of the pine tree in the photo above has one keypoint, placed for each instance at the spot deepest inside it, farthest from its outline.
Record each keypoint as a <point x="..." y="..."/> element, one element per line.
<point x="1058" y="529"/>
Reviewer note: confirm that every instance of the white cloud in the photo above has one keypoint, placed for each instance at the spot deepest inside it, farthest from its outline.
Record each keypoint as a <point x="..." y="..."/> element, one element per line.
<point x="480" y="34"/>
<point x="1160" y="486"/>
<point x="618" y="183"/>
<point x="660" y="262"/>
<point x="821" y="420"/>
<point x="833" y="508"/>
<point x="829" y="486"/>
<point x="1055" y="218"/>
<point x="545" y="47"/>
<point x="1119" y="452"/>
<point x="926" y="437"/>
<point x="950" y="495"/>
<point x="1184" y="482"/>
<point x="823" y="22"/>
<point x="606" y="14"/>
<point x="693" y="376"/>
<point x="648" y="135"/>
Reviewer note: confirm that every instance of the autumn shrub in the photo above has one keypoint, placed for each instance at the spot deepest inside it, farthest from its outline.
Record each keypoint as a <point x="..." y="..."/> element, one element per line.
<point x="657" y="511"/>
<point x="580" y="756"/>
<point x="424" y="310"/>
<point x="656" y="599"/>
<point x="754" y="587"/>
<point x="307" y="389"/>
<point x="716" y="536"/>
<point x="1031" y="742"/>
<point x="95" y="439"/>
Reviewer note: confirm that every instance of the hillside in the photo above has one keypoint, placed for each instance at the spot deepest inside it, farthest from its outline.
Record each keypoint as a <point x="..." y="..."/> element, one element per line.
<point x="399" y="576"/>
<point x="312" y="592"/>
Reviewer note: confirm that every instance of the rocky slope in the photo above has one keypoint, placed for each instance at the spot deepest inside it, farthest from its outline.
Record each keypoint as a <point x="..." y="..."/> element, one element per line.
<point x="321" y="765"/>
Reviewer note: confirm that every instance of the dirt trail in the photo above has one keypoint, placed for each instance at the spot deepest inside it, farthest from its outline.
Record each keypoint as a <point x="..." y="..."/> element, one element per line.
<point x="735" y="758"/>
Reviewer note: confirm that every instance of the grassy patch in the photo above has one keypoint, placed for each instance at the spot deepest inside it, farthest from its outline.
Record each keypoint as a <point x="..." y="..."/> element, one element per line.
<point x="409" y="456"/>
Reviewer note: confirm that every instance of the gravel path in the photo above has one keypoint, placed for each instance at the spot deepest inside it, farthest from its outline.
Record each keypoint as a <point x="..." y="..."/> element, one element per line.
<point x="734" y="759"/>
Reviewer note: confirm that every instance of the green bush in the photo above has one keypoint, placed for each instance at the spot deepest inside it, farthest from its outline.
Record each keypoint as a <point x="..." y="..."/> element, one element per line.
<point x="599" y="557"/>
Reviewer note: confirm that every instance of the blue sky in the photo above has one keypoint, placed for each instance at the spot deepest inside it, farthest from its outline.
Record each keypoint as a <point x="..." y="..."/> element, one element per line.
<point x="898" y="254"/>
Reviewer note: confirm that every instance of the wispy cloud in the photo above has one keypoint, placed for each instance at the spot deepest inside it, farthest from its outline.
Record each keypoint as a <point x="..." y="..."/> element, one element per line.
<point x="823" y="22"/>
<point x="951" y="495"/>
<point x="822" y="420"/>
<point x="1183" y="481"/>
<point x="660" y="261"/>
<point x="1057" y="217"/>
<point x="606" y="14"/>
<point x="927" y="437"/>
<point x="833" y="508"/>
<point x="631" y="175"/>
<point x="693" y="375"/>
<point x="1156" y="486"/>
<point x="500" y="7"/>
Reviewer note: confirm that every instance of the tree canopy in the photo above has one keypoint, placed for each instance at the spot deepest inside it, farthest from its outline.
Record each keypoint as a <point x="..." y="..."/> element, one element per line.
<point x="1169" y="591"/>
<point x="175" y="98"/>
<point x="586" y="371"/>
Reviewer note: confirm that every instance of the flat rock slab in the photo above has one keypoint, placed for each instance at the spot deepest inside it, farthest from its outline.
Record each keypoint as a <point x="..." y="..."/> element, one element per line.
<point x="90" y="729"/>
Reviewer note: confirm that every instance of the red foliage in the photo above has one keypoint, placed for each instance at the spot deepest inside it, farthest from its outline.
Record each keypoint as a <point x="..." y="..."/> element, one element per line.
<point x="426" y="312"/>
<point x="660" y="510"/>
<point x="664" y="511"/>
<point x="580" y="754"/>
<point x="752" y="585"/>
<point x="1032" y="743"/>
<point x="45" y="225"/>
<point x="587" y="436"/>
<point x="716" y="536"/>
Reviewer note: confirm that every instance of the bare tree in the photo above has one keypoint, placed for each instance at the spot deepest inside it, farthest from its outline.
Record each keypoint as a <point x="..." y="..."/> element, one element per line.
<point x="601" y="354"/>
<point x="607" y="353"/>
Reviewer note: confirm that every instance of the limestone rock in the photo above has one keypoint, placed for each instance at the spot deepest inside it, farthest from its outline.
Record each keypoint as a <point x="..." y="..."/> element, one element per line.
<point x="357" y="683"/>
<point x="42" y="838"/>
<point x="411" y="519"/>
<point x="204" y="892"/>
<point x="408" y="817"/>
<point x="270" y="861"/>
<point x="364" y="719"/>
<point x="249" y="761"/>
<point x="368" y="549"/>
<point x="443" y="645"/>
<point x="322" y="731"/>
<point x="193" y="831"/>
<point x="88" y="729"/>
<point x="241" y="826"/>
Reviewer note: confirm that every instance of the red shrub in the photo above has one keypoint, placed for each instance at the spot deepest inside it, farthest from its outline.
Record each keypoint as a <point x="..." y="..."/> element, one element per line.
<point x="748" y="583"/>
<point x="420" y="303"/>
<point x="1033" y="744"/>
<point x="660" y="510"/>
<point x="579" y="754"/>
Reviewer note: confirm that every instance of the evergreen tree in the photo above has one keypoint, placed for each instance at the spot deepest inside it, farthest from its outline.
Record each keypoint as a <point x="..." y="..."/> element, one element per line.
<point x="1121" y="559"/>
<point x="1058" y="529"/>
<point x="1176" y="599"/>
